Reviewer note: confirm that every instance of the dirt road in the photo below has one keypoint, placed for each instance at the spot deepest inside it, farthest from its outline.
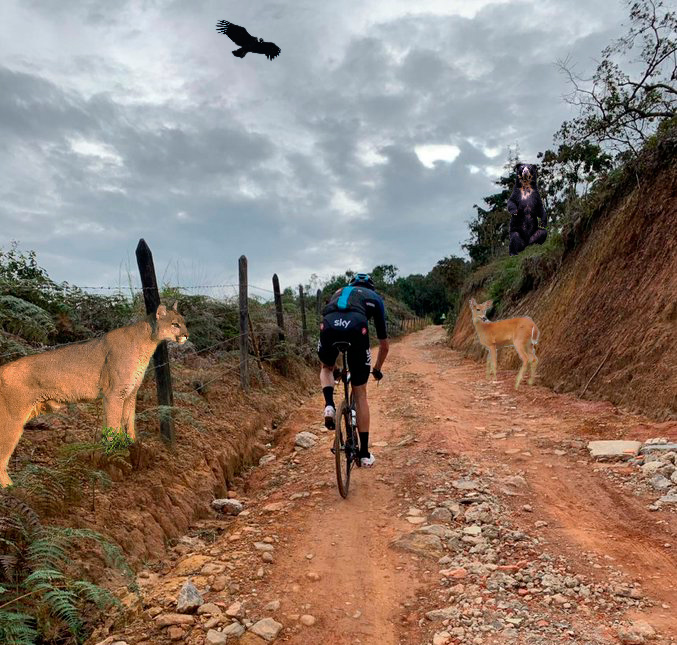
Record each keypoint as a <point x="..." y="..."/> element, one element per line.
<point x="484" y="521"/>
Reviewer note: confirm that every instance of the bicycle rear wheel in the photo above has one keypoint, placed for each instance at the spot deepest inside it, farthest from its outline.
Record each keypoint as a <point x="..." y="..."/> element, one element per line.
<point x="343" y="456"/>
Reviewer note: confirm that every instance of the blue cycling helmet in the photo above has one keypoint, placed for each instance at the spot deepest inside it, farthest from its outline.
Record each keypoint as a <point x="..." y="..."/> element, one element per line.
<point x="362" y="279"/>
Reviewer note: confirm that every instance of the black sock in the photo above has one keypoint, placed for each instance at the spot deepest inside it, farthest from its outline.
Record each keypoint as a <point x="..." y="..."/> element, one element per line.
<point x="364" y="444"/>
<point x="328" y="395"/>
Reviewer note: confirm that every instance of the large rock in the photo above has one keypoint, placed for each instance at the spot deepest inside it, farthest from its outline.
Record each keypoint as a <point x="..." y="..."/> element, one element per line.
<point x="209" y="609"/>
<point x="189" y="599"/>
<point x="653" y="448"/>
<point x="670" y="498"/>
<point x="165" y="620"/>
<point x="268" y="629"/>
<point x="660" y="483"/>
<point x="443" y="532"/>
<point x="216" y="638"/>
<point x="192" y="564"/>
<point x="424" y="544"/>
<point x="441" y="515"/>
<point x="447" y="613"/>
<point x="234" y="630"/>
<point x="305" y="439"/>
<point x="228" y="506"/>
<point x="614" y="449"/>
<point x="638" y="632"/>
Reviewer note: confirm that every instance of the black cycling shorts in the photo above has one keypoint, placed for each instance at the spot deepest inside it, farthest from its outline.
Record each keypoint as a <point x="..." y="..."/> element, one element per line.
<point x="352" y="327"/>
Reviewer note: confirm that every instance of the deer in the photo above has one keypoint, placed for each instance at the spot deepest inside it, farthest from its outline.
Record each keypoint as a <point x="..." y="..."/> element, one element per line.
<point x="521" y="333"/>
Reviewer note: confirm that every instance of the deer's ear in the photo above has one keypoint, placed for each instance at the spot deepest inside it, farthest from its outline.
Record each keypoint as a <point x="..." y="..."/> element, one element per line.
<point x="176" y="302"/>
<point x="472" y="302"/>
<point x="489" y="303"/>
<point x="161" y="312"/>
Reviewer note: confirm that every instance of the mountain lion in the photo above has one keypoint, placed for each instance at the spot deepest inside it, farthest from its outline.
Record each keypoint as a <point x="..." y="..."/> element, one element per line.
<point x="112" y="365"/>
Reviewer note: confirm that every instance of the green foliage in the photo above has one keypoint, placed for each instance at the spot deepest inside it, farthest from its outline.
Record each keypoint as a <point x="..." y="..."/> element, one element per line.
<point x="11" y="348"/>
<point x="40" y="600"/>
<point x="51" y="488"/>
<point x="568" y="172"/>
<point x="17" y="628"/>
<point x="509" y="278"/>
<point x="25" y="319"/>
<point x="114" y="439"/>
<point x="489" y="230"/>
<point x="209" y="321"/>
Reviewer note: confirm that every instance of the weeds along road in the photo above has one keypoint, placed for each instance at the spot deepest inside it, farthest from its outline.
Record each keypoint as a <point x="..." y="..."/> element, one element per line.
<point x="484" y="521"/>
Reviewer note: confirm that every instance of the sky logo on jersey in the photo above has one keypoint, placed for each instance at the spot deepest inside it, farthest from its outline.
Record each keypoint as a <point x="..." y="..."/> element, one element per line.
<point x="344" y="324"/>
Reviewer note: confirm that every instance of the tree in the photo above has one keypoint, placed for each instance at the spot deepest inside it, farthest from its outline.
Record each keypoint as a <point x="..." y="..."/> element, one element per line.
<point x="567" y="173"/>
<point x="489" y="231"/>
<point x="615" y="107"/>
<point x="384" y="276"/>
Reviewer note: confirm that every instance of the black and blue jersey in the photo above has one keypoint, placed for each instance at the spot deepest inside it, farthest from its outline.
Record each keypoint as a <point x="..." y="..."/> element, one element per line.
<point x="360" y="300"/>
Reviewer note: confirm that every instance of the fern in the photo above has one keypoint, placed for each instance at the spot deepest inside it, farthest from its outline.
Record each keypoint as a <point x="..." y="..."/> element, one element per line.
<point x="98" y="596"/>
<point x="25" y="319"/>
<point x="17" y="628"/>
<point x="44" y="586"/>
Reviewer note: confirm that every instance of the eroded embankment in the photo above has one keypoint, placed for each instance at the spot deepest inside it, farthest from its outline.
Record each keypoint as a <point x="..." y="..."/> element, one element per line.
<point x="158" y="492"/>
<point x="612" y="303"/>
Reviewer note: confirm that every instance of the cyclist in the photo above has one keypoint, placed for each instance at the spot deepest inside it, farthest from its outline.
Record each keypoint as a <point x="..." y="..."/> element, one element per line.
<point x="346" y="318"/>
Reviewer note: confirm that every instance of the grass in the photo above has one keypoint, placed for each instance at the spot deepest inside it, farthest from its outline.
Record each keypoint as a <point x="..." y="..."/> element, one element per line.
<point x="509" y="277"/>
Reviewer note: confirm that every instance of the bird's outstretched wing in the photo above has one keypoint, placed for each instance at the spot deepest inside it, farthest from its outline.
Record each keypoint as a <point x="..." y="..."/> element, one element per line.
<point x="271" y="50"/>
<point x="239" y="35"/>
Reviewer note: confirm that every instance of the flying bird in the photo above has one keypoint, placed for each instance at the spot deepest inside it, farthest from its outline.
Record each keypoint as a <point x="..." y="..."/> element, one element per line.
<point x="240" y="36"/>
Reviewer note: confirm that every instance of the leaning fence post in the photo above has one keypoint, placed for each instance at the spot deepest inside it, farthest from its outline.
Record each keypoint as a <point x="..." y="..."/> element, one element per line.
<point x="244" y="317"/>
<point x="318" y="305"/>
<point x="163" y="377"/>
<point x="278" y="307"/>
<point x="304" y="324"/>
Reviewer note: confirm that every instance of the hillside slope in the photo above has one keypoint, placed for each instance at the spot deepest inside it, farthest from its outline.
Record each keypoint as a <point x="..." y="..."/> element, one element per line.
<point x="613" y="301"/>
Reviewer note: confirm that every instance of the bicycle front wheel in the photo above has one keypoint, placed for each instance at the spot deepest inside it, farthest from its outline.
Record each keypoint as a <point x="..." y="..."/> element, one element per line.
<point x="343" y="455"/>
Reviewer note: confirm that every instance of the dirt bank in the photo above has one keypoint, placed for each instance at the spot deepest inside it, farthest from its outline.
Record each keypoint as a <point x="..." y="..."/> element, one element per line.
<point x="154" y="499"/>
<point x="612" y="303"/>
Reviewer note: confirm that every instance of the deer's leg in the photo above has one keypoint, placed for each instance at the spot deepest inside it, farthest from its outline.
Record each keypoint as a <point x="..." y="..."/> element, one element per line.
<point x="533" y="363"/>
<point x="488" y="364"/>
<point x="492" y="356"/>
<point x="525" y="360"/>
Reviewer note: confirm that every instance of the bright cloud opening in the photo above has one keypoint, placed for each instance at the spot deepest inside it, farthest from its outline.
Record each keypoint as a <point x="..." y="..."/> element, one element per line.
<point x="429" y="154"/>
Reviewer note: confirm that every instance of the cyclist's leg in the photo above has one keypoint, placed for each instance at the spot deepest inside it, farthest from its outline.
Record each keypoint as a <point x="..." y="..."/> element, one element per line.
<point x="359" y="361"/>
<point x="327" y="354"/>
<point x="362" y="405"/>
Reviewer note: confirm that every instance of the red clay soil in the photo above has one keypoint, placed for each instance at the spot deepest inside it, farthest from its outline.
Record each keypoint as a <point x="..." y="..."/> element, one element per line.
<point x="615" y="295"/>
<point x="435" y="418"/>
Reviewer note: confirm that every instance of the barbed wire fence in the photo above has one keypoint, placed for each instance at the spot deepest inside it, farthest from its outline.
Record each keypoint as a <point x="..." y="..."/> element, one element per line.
<point x="295" y="325"/>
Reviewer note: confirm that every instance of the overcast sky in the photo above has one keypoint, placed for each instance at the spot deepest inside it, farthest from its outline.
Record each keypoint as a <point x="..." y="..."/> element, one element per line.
<point x="367" y="141"/>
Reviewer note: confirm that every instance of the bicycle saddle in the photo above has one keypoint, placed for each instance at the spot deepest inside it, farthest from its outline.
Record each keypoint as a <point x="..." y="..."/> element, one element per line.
<point x="342" y="345"/>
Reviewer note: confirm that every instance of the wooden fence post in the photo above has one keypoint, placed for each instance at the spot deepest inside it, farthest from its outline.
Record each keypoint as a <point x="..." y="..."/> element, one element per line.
<point x="244" y="331"/>
<point x="304" y="324"/>
<point x="278" y="307"/>
<point x="318" y="306"/>
<point x="163" y="377"/>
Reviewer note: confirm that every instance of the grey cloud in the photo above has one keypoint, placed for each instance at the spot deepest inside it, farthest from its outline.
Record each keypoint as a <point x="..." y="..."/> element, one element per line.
<point x="251" y="152"/>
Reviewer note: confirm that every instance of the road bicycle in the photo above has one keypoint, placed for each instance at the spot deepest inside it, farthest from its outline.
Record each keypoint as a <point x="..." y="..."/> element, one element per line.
<point x="347" y="440"/>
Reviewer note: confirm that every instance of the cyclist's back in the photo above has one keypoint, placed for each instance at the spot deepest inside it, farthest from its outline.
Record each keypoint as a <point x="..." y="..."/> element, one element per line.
<point x="354" y="305"/>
